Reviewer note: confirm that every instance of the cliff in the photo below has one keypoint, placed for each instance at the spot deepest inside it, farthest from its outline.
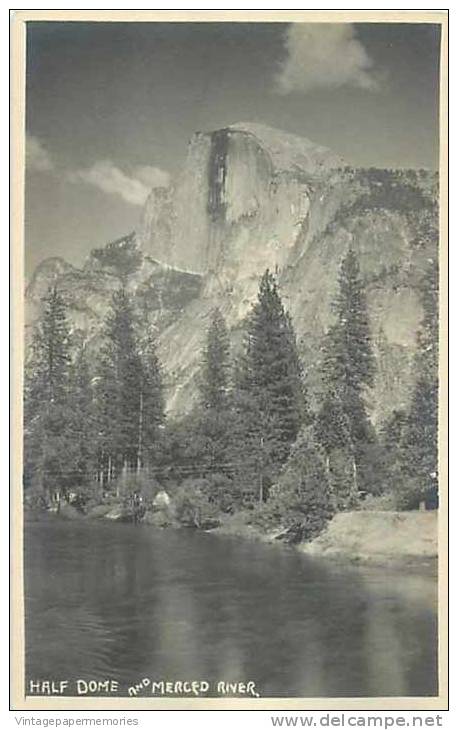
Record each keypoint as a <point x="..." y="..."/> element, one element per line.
<point x="250" y="198"/>
<point x="160" y="292"/>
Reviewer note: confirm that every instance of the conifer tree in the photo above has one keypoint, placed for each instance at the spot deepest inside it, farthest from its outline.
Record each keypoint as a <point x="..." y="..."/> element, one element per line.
<point x="82" y="421"/>
<point x="213" y="421"/>
<point x="331" y="426"/>
<point x="270" y="395"/>
<point x="214" y="383"/>
<point x="302" y="498"/>
<point x="45" y="398"/>
<point x="392" y="434"/>
<point x="129" y="393"/>
<point x="348" y="370"/>
<point x="48" y="367"/>
<point x="107" y="406"/>
<point x="332" y="432"/>
<point x="119" y="387"/>
<point x="151" y="416"/>
<point x="419" y="443"/>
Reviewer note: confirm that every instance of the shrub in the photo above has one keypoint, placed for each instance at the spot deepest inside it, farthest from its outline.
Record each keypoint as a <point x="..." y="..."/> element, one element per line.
<point x="404" y="497"/>
<point x="387" y="502"/>
<point x="374" y="471"/>
<point x="300" y="503"/>
<point x="142" y="484"/>
<point x="410" y="494"/>
<point x="35" y="497"/>
<point x="341" y="480"/>
<point x="192" y="505"/>
<point x="121" y="255"/>
<point x="223" y="492"/>
<point x="85" y="496"/>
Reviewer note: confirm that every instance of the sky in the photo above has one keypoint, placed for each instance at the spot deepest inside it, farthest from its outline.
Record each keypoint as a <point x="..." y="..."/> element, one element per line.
<point x="110" y="108"/>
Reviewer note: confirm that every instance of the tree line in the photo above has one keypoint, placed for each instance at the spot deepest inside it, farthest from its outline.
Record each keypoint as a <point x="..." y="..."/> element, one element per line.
<point x="252" y="441"/>
<point x="86" y="423"/>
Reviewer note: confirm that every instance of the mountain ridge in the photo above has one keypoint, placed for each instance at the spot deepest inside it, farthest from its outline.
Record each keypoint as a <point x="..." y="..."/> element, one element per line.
<point x="231" y="214"/>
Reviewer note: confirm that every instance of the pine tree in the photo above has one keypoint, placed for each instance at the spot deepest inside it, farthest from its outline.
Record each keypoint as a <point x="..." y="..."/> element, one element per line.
<point x="129" y="393"/>
<point x="107" y="406"/>
<point x="419" y="443"/>
<point x="270" y="395"/>
<point x="119" y="388"/>
<point x="392" y="432"/>
<point x="82" y="421"/>
<point x="331" y="425"/>
<point x="215" y="376"/>
<point x="48" y="366"/>
<point x="213" y="418"/>
<point x="45" y="398"/>
<point x="151" y="416"/>
<point x="332" y="432"/>
<point x="348" y="371"/>
<point x="301" y="498"/>
<point x="350" y="362"/>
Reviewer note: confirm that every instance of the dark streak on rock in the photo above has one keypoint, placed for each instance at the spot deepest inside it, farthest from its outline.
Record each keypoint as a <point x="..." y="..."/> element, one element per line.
<point x="217" y="174"/>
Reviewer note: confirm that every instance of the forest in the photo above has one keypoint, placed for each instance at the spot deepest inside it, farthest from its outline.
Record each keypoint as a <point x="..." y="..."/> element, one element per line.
<point x="96" y="431"/>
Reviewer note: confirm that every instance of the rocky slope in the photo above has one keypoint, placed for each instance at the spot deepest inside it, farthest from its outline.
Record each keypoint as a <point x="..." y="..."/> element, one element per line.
<point x="160" y="292"/>
<point x="251" y="198"/>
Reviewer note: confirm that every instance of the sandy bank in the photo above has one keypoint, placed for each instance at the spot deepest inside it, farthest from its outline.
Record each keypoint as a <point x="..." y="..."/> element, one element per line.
<point x="367" y="537"/>
<point x="378" y="537"/>
<point x="384" y="538"/>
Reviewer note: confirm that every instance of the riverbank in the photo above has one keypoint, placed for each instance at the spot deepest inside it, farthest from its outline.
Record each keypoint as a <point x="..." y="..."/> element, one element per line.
<point x="378" y="537"/>
<point x="361" y="537"/>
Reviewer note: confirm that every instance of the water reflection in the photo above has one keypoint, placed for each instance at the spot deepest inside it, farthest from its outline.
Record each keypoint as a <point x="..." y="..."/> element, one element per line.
<point x="127" y="602"/>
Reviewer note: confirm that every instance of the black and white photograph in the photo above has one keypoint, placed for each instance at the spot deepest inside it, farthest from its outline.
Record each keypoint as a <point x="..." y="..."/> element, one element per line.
<point x="231" y="480"/>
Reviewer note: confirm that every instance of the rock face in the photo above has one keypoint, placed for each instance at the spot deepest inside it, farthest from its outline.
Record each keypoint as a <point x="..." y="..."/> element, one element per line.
<point x="251" y="198"/>
<point x="241" y="202"/>
<point x="160" y="292"/>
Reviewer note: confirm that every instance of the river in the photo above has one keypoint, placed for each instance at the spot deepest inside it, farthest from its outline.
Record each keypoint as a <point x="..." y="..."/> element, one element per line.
<point x="128" y="602"/>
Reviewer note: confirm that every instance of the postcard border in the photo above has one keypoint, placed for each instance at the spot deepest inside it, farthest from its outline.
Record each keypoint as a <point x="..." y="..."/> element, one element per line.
<point x="18" y="700"/>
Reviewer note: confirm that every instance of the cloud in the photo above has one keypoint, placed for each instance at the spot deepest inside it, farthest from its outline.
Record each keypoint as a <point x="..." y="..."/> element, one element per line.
<point x="133" y="188"/>
<point x="36" y="156"/>
<point x="152" y="177"/>
<point x="324" y="56"/>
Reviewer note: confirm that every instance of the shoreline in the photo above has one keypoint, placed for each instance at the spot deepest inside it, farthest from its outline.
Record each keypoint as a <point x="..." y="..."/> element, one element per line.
<point x="398" y="540"/>
<point x="328" y="546"/>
